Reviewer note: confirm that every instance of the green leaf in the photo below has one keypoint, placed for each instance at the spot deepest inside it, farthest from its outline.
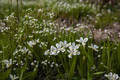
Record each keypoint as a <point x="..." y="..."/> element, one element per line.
<point x="98" y="73"/>
<point x="5" y="75"/>
<point x="72" y="68"/>
<point x="30" y="75"/>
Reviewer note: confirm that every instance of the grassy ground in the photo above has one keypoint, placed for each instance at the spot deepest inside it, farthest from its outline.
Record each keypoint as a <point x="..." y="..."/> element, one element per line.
<point x="59" y="40"/>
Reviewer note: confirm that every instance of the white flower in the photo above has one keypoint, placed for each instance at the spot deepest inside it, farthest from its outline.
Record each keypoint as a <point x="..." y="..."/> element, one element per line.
<point x="73" y="46"/>
<point x="44" y="62"/>
<point x="47" y="52"/>
<point x="53" y="50"/>
<point x="40" y="10"/>
<point x="58" y="46"/>
<point x="65" y="44"/>
<point x="8" y="63"/>
<point x="51" y="65"/>
<point x="32" y="64"/>
<point x="78" y="25"/>
<point x="94" y="47"/>
<point x="38" y="40"/>
<point x="70" y="56"/>
<point x="54" y="38"/>
<point x="112" y="76"/>
<point x="83" y="41"/>
<point x="61" y="46"/>
<point x="13" y="77"/>
<point x="31" y="43"/>
<point x="68" y="29"/>
<point x="1" y="51"/>
<point x="73" y="50"/>
<point x="56" y="65"/>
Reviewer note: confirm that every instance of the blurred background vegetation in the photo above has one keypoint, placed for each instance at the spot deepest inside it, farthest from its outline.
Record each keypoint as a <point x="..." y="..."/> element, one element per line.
<point x="87" y="11"/>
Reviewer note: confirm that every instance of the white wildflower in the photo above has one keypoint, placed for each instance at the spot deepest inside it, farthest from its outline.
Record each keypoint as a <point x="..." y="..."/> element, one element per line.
<point x="31" y="43"/>
<point x="94" y="47"/>
<point x="40" y="10"/>
<point x="56" y="65"/>
<point x="47" y="52"/>
<point x="53" y="50"/>
<point x="8" y="63"/>
<point x="82" y="40"/>
<point x="1" y="51"/>
<point x="13" y="77"/>
<point x="73" y="50"/>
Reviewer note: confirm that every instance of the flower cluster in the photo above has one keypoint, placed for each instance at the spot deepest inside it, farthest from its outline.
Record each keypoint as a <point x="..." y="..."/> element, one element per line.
<point x="78" y="28"/>
<point x="45" y="31"/>
<point x="45" y="28"/>
<point x="20" y="58"/>
<point x="51" y="15"/>
<point x="33" y="42"/>
<point x="9" y="20"/>
<point x="21" y="55"/>
<point x="30" y="21"/>
<point x="71" y="48"/>
<point x="10" y="17"/>
<point x="112" y="76"/>
<point x="46" y="62"/>
<point x="21" y="49"/>
<point x="37" y="41"/>
<point x="66" y="7"/>
<point x="3" y="27"/>
<point x="43" y="44"/>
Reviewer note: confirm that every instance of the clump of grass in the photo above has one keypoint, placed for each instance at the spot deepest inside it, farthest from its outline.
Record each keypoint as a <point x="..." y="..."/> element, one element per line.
<point x="106" y="19"/>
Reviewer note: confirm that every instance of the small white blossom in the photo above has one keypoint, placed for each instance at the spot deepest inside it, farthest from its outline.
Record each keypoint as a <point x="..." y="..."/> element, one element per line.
<point x="32" y="64"/>
<point x="8" y="63"/>
<point x="51" y="65"/>
<point x="53" y="50"/>
<point x="31" y="43"/>
<point x="94" y="47"/>
<point x="44" y="62"/>
<point x="1" y="51"/>
<point x="13" y="77"/>
<point x="82" y="40"/>
<point x="40" y="10"/>
<point x="56" y="65"/>
<point x="47" y="52"/>
<point x="73" y="50"/>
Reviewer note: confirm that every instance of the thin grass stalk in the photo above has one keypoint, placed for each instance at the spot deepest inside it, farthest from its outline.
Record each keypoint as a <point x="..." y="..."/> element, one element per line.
<point x="21" y="2"/>
<point x="9" y="6"/>
<point x="18" y="10"/>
